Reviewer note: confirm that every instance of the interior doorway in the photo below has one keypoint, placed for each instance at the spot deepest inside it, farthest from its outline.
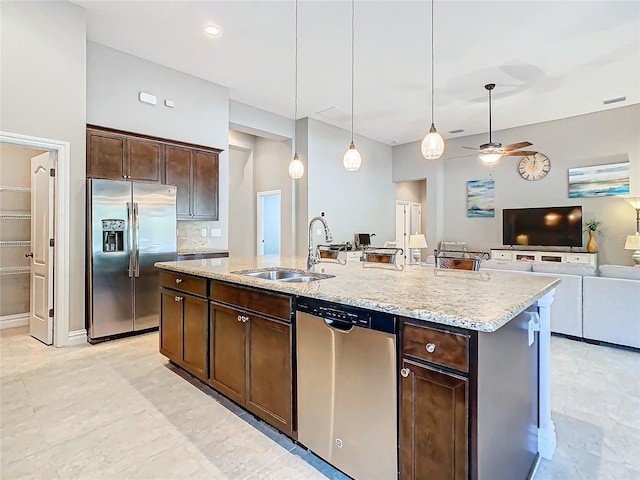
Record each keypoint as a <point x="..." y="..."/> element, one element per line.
<point x="268" y="225"/>
<point x="57" y="153"/>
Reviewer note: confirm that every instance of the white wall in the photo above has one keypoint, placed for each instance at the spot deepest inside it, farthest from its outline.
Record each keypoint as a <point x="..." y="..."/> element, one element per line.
<point x="599" y="138"/>
<point x="255" y="121"/>
<point x="44" y="95"/>
<point x="242" y="204"/>
<point x="272" y="159"/>
<point x="353" y="202"/>
<point x="200" y="116"/>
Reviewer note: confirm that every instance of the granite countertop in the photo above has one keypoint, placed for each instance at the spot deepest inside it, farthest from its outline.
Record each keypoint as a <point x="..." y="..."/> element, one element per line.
<point x="192" y="251"/>
<point x="482" y="301"/>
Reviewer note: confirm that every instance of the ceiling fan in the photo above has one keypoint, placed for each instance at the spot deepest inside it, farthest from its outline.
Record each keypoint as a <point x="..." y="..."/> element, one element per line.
<point x="492" y="151"/>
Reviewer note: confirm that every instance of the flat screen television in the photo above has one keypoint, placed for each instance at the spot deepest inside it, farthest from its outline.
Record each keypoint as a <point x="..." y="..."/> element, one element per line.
<point x="548" y="226"/>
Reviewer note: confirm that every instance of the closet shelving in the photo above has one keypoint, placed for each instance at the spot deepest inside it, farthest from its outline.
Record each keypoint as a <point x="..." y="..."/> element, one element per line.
<point x="15" y="215"/>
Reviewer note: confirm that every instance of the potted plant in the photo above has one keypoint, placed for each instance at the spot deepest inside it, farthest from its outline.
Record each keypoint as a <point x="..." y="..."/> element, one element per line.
<point x="593" y="226"/>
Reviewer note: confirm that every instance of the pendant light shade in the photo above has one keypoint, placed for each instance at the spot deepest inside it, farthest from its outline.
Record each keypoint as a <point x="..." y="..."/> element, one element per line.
<point x="352" y="159"/>
<point x="296" y="167"/>
<point x="432" y="146"/>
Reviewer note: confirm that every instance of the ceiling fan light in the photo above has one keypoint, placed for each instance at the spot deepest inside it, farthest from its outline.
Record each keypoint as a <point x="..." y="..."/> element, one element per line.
<point x="489" y="158"/>
<point x="296" y="168"/>
<point x="432" y="146"/>
<point x="352" y="159"/>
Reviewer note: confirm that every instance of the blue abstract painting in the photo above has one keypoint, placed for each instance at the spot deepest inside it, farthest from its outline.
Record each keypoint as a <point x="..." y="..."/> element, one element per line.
<point x="599" y="180"/>
<point x="481" y="199"/>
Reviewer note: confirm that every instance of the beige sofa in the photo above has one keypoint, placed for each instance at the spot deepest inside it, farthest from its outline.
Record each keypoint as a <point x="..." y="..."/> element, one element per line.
<point x="601" y="305"/>
<point x="611" y="306"/>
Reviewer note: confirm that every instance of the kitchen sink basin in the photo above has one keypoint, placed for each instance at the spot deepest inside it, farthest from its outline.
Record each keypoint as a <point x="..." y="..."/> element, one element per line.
<point x="284" y="275"/>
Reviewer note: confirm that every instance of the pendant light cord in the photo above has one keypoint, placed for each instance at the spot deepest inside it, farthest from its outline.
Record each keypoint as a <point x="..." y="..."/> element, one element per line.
<point x="295" y="108"/>
<point x="490" y="141"/>
<point x="432" y="84"/>
<point x="353" y="11"/>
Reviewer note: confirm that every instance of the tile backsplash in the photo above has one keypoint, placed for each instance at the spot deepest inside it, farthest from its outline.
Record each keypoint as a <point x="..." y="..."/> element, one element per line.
<point x="190" y="237"/>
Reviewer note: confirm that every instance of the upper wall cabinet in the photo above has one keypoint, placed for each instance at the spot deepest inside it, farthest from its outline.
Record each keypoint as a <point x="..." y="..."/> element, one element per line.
<point x="118" y="155"/>
<point x="195" y="173"/>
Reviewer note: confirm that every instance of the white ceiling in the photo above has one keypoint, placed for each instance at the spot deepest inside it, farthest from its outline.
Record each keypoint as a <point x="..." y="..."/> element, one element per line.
<point x="549" y="59"/>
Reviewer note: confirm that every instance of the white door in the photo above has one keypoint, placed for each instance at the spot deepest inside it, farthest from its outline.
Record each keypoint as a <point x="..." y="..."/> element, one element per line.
<point x="402" y="228"/>
<point x="268" y="227"/>
<point x="41" y="302"/>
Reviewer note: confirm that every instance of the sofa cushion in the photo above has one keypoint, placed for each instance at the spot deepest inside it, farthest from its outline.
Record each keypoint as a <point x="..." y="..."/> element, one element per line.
<point x="506" y="265"/>
<point x="565" y="268"/>
<point x="619" y="271"/>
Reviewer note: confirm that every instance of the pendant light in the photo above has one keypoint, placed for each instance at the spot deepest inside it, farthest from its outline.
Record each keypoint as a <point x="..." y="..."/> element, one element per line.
<point x="352" y="158"/>
<point x="296" y="167"/>
<point x="432" y="146"/>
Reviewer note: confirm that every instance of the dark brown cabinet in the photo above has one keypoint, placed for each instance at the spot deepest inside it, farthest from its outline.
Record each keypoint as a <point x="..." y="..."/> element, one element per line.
<point x="434" y="404"/>
<point x="195" y="173"/>
<point x="184" y="322"/>
<point x="433" y="424"/>
<point x="116" y="156"/>
<point x="251" y="354"/>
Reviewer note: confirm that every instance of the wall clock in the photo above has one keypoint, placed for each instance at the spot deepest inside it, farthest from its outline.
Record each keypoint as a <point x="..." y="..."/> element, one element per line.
<point x="534" y="167"/>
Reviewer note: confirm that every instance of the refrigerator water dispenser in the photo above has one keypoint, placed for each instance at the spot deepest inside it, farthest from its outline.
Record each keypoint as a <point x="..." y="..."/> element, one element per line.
<point x="112" y="235"/>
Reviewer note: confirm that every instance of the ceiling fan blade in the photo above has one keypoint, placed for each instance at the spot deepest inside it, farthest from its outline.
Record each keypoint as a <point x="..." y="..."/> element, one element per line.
<point x="519" y="153"/>
<point x="473" y="148"/>
<point x="516" y="146"/>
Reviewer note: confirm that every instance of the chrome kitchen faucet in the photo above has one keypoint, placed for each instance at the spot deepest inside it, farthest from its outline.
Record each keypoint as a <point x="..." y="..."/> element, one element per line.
<point x="312" y="257"/>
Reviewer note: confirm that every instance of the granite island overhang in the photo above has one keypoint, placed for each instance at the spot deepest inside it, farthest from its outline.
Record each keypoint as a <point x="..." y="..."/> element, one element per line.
<point x="495" y="312"/>
<point x="482" y="301"/>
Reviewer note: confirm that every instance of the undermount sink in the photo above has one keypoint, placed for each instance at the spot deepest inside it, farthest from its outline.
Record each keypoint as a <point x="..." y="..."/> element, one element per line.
<point x="284" y="275"/>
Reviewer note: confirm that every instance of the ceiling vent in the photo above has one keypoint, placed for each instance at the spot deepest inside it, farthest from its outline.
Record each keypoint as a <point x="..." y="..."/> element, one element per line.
<point x="457" y="130"/>
<point x="614" y="100"/>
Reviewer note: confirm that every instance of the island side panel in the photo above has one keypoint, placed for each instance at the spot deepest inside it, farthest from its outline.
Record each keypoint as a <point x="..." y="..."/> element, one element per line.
<point x="507" y="401"/>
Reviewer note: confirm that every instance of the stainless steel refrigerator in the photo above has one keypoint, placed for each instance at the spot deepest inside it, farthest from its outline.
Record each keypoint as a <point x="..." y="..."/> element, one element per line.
<point x="130" y="226"/>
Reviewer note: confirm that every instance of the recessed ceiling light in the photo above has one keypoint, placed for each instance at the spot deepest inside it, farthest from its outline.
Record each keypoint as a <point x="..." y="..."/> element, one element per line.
<point x="212" y="30"/>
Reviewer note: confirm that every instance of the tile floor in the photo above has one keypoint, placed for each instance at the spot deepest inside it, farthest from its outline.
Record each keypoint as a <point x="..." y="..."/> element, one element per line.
<point x="118" y="410"/>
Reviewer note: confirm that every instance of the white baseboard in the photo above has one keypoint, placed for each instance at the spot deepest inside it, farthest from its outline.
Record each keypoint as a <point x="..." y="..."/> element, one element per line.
<point x="77" y="337"/>
<point x="16" y="320"/>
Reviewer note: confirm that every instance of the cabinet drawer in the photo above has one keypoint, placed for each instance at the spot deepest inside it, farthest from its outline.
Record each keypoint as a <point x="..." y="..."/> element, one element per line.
<point x="444" y="348"/>
<point x="501" y="255"/>
<point x="272" y="304"/>
<point x="578" y="258"/>
<point x="184" y="283"/>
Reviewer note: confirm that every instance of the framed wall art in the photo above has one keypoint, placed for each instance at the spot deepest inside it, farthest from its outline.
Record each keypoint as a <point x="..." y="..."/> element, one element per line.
<point x="599" y="180"/>
<point x="481" y="199"/>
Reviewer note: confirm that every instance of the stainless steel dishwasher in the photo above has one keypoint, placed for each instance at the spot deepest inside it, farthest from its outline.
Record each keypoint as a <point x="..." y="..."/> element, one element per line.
<point x="347" y="392"/>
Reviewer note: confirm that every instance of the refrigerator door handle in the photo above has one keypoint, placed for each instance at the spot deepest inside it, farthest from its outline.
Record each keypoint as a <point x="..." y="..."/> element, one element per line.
<point x="136" y="217"/>
<point x="130" y="237"/>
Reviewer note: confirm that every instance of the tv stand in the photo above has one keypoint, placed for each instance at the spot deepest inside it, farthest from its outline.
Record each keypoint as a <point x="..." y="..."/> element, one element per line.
<point x="512" y="255"/>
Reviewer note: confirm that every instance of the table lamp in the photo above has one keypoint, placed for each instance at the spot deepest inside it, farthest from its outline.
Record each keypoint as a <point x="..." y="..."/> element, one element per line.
<point x="417" y="241"/>
<point x="633" y="241"/>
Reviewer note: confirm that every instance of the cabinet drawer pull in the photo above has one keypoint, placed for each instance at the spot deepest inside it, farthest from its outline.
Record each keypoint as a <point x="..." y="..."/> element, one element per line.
<point x="242" y="318"/>
<point x="430" y="347"/>
<point x="405" y="372"/>
<point x="178" y="298"/>
<point x="178" y="280"/>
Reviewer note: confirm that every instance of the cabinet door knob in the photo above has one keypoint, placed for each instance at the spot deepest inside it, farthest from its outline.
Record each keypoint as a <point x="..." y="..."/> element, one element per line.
<point x="178" y="299"/>
<point x="178" y="280"/>
<point x="30" y="254"/>
<point x="405" y="372"/>
<point x="430" y="347"/>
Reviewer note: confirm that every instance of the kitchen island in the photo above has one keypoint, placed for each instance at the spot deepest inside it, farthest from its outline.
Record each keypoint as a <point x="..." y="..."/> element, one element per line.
<point x="473" y="404"/>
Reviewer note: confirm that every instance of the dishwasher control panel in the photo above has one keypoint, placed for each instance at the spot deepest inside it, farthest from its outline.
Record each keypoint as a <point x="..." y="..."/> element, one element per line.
<point x="346" y="314"/>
